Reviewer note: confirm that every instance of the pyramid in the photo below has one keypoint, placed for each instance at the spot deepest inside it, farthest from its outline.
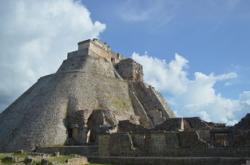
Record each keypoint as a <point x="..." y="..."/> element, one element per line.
<point x="93" y="90"/>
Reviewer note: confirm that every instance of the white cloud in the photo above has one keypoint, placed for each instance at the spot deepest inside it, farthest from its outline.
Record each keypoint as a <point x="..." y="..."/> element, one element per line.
<point x="193" y="97"/>
<point x="35" y="37"/>
<point x="138" y="11"/>
<point x="157" y="71"/>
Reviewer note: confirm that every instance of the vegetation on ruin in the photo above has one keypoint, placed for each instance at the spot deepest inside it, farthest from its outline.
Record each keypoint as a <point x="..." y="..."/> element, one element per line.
<point x="5" y="158"/>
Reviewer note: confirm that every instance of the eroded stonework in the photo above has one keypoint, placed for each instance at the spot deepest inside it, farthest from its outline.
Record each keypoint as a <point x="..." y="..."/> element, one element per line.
<point x="97" y="104"/>
<point x="91" y="92"/>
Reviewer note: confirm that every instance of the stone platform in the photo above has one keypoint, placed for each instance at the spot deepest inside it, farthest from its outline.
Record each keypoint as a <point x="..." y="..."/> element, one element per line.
<point x="171" y="160"/>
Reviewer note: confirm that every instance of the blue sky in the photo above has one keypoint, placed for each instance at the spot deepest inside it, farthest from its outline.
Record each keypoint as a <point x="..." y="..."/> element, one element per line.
<point x="196" y="52"/>
<point x="213" y="35"/>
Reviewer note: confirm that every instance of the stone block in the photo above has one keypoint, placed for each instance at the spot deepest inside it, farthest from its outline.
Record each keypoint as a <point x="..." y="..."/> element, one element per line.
<point x="190" y="139"/>
<point x="77" y="161"/>
<point x="157" y="144"/>
<point x="103" y="145"/>
<point x="121" y="144"/>
<point x="130" y="70"/>
<point x="171" y="140"/>
<point x="139" y="141"/>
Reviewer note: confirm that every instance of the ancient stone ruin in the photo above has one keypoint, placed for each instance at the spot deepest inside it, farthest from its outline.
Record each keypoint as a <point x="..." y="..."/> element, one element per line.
<point x="91" y="92"/>
<point x="97" y="104"/>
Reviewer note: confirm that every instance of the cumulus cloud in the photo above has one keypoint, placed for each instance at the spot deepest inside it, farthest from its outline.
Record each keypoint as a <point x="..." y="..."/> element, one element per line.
<point x="34" y="39"/>
<point x="158" y="72"/>
<point x="193" y="97"/>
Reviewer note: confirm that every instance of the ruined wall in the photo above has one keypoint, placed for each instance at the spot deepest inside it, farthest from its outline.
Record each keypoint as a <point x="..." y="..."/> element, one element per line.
<point x="54" y="107"/>
<point x="241" y="138"/>
<point x="143" y="144"/>
<point x="189" y="123"/>
<point x="97" y="49"/>
<point x="163" y="144"/>
<point x="244" y="123"/>
<point x="130" y="70"/>
<point x="146" y="96"/>
<point x="88" y="64"/>
<point x="171" y="160"/>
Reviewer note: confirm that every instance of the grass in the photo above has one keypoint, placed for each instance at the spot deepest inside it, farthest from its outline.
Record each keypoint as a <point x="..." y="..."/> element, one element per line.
<point x="60" y="159"/>
<point x="2" y="156"/>
<point x="37" y="159"/>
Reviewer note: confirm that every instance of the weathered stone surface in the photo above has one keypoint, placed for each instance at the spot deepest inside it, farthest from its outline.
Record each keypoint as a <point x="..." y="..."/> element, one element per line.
<point x="190" y="139"/>
<point x="171" y="160"/>
<point x="172" y="140"/>
<point x="127" y="126"/>
<point x="196" y="123"/>
<point x="123" y="144"/>
<point x="101" y="122"/>
<point x="77" y="161"/>
<point x="188" y="124"/>
<point x="157" y="144"/>
<point x="241" y="139"/>
<point x="56" y="109"/>
<point x="104" y="144"/>
<point x="37" y="118"/>
<point x="130" y="70"/>
<point x="244" y="123"/>
<point x="173" y="124"/>
<point x="152" y="102"/>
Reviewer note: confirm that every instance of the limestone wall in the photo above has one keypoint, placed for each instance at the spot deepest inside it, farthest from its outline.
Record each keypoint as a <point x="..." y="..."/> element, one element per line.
<point x="88" y="64"/>
<point x="155" y="109"/>
<point x="170" y="160"/>
<point x="130" y="70"/>
<point x="86" y="81"/>
<point x="37" y="118"/>
<point x="97" y="49"/>
<point x="154" y="144"/>
<point x="162" y="144"/>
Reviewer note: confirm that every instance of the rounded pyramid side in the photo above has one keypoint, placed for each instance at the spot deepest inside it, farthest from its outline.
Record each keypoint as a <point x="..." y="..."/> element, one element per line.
<point x="37" y="118"/>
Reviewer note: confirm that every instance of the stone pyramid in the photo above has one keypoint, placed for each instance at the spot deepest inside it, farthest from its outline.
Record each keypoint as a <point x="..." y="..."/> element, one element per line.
<point x="93" y="88"/>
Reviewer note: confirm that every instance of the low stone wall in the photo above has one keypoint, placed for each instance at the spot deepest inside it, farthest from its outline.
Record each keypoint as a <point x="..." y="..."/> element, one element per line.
<point x="170" y="160"/>
<point x="163" y="144"/>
